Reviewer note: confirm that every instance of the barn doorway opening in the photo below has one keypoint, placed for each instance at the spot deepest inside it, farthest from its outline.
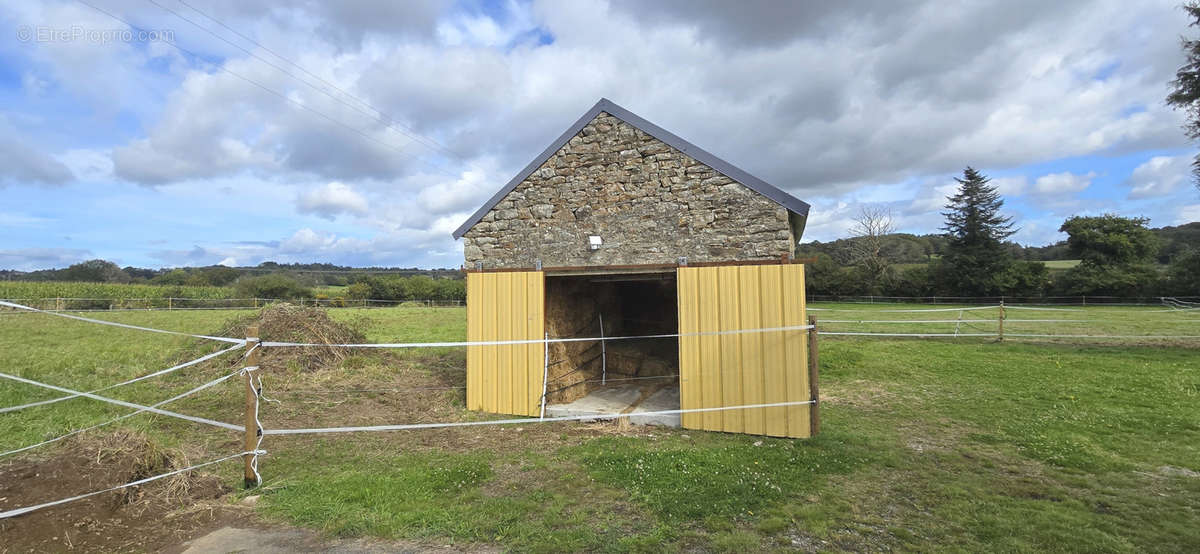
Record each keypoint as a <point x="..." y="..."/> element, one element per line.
<point x="613" y="376"/>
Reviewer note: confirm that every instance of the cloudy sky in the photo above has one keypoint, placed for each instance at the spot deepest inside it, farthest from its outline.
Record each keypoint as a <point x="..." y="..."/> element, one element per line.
<point x="179" y="132"/>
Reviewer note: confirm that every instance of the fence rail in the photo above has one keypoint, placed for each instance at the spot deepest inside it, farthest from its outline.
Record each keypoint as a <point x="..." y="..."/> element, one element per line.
<point x="75" y="304"/>
<point x="1044" y="300"/>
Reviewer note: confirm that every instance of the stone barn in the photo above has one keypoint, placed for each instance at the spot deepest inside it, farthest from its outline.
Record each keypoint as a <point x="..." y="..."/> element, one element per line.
<point x="621" y="229"/>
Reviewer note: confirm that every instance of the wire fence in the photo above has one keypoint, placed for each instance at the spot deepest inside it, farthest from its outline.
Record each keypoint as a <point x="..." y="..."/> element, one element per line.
<point x="974" y="322"/>
<point x="1018" y="300"/>
<point x="71" y="304"/>
<point x="253" y="430"/>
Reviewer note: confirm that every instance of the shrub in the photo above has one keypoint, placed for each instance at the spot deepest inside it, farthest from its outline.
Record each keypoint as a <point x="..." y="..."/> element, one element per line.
<point x="1119" y="280"/>
<point x="358" y="291"/>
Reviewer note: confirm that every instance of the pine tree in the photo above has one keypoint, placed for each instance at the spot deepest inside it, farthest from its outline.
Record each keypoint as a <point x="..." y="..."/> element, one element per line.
<point x="1186" y="86"/>
<point x="976" y="260"/>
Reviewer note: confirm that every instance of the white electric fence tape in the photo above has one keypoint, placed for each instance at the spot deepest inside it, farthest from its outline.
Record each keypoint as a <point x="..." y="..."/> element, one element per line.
<point x="541" y="341"/>
<point x="1044" y="309"/>
<point x="27" y="509"/>
<point x="522" y="421"/>
<point x="913" y="311"/>
<point x="1106" y="336"/>
<point x="115" y="324"/>
<point x="864" y="334"/>
<point x="121" y="384"/>
<point x="128" y="415"/>
<point x="1006" y="334"/>
<point x="125" y="404"/>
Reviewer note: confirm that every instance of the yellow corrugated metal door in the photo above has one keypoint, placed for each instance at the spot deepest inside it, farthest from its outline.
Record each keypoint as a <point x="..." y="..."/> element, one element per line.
<point x="501" y="306"/>
<point x="746" y="368"/>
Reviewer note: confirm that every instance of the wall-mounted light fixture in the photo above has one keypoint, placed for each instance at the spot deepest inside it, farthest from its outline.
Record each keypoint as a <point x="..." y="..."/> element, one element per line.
<point x="594" y="242"/>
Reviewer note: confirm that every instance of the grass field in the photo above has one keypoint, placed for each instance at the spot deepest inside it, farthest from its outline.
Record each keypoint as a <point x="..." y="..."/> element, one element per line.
<point x="1088" y="445"/>
<point x="1061" y="264"/>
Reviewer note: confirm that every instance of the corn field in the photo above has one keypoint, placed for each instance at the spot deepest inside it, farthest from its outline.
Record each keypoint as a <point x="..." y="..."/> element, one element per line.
<point x="68" y="295"/>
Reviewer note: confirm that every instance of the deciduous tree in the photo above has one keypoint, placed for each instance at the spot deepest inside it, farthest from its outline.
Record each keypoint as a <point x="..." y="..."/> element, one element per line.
<point x="871" y="229"/>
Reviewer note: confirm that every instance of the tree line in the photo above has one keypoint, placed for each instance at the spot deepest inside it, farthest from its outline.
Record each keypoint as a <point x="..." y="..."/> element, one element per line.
<point x="1118" y="256"/>
<point x="311" y="275"/>
<point x="272" y="280"/>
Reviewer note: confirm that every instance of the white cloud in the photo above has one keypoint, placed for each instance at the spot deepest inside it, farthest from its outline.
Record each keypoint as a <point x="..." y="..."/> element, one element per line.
<point x="1011" y="186"/>
<point x="1188" y="214"/>
<point x="22" y="164"/>
<point x="830" y="222"/>
<point x="1060" y="184"/>
<point x="932" y="197"/>
<point x="853" y="110"/>
<point x="332" y="200"/>
<point x="838" y="103"/>
<point x="1159" y="176"/>
<point x="28" y="259"/>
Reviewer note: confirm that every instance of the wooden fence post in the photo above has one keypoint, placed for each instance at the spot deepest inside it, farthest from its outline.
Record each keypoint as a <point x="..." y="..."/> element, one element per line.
<point x="1001" y="321"/>
<point x="814" y="389"/>
<point x="250" y="421"/>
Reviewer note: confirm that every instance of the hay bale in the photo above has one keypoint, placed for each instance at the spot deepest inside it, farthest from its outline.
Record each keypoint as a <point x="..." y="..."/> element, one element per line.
<point x="283" y="322"/>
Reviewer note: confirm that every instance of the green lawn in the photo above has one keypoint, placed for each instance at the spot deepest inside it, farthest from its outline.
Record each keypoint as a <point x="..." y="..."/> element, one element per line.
<point x="962" y="445"/>
<point x="1061" y="264"/>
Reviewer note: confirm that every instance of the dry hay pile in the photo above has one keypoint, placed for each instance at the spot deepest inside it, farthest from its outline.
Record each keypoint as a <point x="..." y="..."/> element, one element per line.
<point x="285" y="322"/>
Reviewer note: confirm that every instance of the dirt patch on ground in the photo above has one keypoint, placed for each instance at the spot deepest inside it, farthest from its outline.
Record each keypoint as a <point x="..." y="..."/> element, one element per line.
<point x="143" y="518"/>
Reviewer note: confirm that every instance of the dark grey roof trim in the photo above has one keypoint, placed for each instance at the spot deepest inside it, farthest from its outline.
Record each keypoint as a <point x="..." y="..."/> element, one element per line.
<point x="605" y="105"/>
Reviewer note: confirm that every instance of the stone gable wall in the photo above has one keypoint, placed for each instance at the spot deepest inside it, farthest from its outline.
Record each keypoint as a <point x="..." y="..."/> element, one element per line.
<point x="650" y="203"/>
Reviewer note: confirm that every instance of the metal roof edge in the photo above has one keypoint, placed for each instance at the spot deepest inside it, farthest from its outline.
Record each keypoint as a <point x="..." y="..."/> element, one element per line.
<point x="605" y="105"/>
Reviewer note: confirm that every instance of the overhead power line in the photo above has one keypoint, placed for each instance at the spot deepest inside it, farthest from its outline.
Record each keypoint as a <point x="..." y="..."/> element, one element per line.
<point x="268" y="89"/>
<point x="384" y="117"/>
<point x="374" y="113"/>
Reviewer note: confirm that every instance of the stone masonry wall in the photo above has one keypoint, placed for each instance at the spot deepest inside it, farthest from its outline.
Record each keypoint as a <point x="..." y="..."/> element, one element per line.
<point x="649" y="202"/>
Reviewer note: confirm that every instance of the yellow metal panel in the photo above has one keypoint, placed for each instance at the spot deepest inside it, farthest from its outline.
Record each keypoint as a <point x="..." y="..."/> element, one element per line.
<point x="490" y="353"/>
<point x="514" y="318"/>
<point x="535" y="353"/>
<point x="689" y="349"/>
<point x="775" y="364"/>
<point x="747" y="368"/>
<point x="710" y="348"/>
<point x="474" y="332"/>
<point x="502" y="403"/>
<point x="750" y="305"/>
<point x="729" y="361"/>
<point x="797" y="351"/>
<point x="505" y="306"/>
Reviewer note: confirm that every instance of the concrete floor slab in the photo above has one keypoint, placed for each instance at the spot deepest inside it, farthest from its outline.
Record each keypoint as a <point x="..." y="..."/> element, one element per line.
<point x="617" y="399"/>
<point x="664" y="399"/>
